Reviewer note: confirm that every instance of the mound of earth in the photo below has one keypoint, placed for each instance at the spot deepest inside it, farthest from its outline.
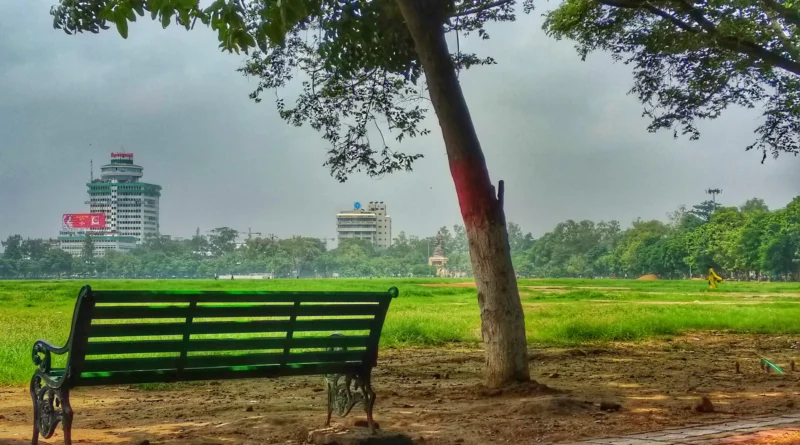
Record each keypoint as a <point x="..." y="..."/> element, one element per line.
<point x="648" y="277"/>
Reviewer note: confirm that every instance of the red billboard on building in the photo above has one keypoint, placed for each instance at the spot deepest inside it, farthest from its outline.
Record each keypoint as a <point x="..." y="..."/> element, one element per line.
<point x="84" y="220"/>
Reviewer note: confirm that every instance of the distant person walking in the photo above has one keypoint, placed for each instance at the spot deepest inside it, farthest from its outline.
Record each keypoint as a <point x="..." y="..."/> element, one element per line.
<point x="713" y="278"/>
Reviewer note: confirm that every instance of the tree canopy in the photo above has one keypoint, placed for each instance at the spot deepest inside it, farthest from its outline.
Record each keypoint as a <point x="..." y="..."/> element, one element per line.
<point x="692" y="59"/>
<point x="359" y="74"/>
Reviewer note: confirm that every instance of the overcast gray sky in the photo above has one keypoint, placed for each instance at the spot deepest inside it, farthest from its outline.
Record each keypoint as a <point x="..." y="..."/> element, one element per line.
<point x="562" y="133"/>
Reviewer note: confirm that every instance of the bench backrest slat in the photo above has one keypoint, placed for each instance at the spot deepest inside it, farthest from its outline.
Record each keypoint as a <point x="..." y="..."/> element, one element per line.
<point x="222" y="335"/>
<point x="102" y="297"/>
<point x="228" y="327"/>
<point x="227" y="311"/>
<point x="215" y="361"/>
<point x="249" y="344"/>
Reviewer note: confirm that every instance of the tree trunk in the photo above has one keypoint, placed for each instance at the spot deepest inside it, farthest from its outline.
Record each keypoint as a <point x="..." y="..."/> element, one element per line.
<point x="502" y="319"/>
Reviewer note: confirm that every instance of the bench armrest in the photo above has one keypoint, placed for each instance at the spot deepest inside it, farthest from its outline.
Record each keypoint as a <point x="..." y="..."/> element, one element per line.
<point x="41" y="354"/>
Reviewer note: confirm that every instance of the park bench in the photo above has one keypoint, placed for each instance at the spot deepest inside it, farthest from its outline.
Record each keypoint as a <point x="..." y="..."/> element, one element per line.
<point x="202" y="335"/>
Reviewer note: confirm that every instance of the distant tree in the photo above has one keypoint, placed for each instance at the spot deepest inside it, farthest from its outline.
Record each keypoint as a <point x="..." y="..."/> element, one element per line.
<point x="34" y="248"/>
<point x="259" y="248"/>
<point x="9" y="268"/>
<point x="29" y="268"/>
<point x="199" y="244"/>
<point x="578" y="266"/>
<point x="302" y="252"/>
<point x="704" y="210"/>
<point x="749" y="240"/>
<point x="222" y="240"/>
<point x="754" y="205"/>
<point x="12" y="247"/>
<point x="87" y="252"/>
<point x="518" y="240"/>
<point x="57" y="261"/>
<point x="693" y="59"/>
<point x="423" y="270"/>
<point x="779" y="254"/>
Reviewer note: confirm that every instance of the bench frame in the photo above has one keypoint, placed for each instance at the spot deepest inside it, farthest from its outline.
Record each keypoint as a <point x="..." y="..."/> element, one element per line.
<point x="50" y="389"/>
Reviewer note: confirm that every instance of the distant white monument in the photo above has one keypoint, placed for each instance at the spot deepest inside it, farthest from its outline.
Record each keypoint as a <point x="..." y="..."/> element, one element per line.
<point x="438" y="260"/>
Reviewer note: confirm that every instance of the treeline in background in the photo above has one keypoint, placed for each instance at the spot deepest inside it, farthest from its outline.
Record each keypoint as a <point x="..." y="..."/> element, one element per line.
<point x="749" y="242"/>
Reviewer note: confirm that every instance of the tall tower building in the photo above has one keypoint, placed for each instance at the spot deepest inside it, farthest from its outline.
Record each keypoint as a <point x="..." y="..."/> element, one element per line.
<point x="371" y="223"/>
<point x="123" y="210"/>
<point x="130" y="206"/>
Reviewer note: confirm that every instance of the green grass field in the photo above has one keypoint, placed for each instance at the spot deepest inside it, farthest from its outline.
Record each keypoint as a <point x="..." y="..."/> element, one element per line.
<point x="558" y="312"/>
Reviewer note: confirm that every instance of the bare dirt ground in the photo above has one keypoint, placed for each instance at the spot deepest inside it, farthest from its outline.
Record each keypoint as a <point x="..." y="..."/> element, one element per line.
<point x="435" y="397"/>
<point x="612" y="289"/>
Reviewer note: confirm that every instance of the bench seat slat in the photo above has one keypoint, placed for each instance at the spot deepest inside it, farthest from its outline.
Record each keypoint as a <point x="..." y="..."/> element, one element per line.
<point x="317" y="310"/>
<point x="168" y="376"/>
<point x="212" y="361"/>
<point x="232" y="344"/>
<point x="228" y="327"/>
<point x="102" y="297"/>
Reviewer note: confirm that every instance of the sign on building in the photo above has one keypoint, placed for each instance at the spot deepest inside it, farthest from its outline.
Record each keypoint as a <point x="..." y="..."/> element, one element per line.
<point x="84" y="220"/>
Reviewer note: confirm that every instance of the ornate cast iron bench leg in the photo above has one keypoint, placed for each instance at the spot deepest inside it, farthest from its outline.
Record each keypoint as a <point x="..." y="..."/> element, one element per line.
<point x="343" y="395"/>
<point x="369" y="400"/>
<point x="50" y="407"/>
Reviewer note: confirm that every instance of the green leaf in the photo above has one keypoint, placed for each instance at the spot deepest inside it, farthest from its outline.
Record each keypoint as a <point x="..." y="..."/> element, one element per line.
<point x="107" y="13"/>
<point x="213" y="7"/>
<point x="155" y="7"/>
<point x="295" y="12"/>
<point x="166" y="15"/>
<point x="274" y="33"/>
<point x="188" y="4"/>
<point x="246" y="40"/>
<point x="122" y="27"/>
<point x="138" y="6"/>
<point x="184" y="16"/>
<point x="772" y="365"/>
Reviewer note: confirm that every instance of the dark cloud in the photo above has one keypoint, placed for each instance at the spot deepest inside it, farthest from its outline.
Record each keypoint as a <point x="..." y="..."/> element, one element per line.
<point x="562" y="133"/>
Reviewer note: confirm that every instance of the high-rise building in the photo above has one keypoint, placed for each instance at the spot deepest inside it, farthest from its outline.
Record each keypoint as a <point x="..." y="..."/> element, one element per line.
<point x="123" y="210"/>
<point x="130" y="206"/>
<point x="370" y="223"/>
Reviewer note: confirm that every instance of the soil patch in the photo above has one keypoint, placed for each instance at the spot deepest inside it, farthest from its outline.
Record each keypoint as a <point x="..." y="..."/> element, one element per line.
<point x="648" y="277"/>
<point x="467" y="284"/>
<point x="434" y="396"/>
<point x="555" y="289"/>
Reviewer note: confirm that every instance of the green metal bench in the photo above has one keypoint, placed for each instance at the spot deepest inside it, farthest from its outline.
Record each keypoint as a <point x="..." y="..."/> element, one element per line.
<point x="201" y="335"/>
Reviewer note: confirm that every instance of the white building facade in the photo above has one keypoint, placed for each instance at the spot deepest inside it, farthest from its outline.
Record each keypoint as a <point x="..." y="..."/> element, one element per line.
<point x="74" y="242"/>
<point x="130" y="206"/>
<point x="367" y="223"/>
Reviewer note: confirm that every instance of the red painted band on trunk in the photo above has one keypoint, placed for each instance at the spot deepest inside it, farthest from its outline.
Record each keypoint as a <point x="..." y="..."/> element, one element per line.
<point x="474" y="191"/>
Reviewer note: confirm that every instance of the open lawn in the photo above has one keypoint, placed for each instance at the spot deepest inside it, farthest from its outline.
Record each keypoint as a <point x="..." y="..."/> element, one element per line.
<point x="653" y="347"/>
<point x="433" y="312"/>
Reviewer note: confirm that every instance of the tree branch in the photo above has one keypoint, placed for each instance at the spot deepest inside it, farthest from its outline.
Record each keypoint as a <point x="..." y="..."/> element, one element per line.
<point x="787" y="14"/>
<point x="482" y="8"/>
<point x="634" y="4"/>
<point x="785" y="38"/>
<point x="732" y="43"/>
